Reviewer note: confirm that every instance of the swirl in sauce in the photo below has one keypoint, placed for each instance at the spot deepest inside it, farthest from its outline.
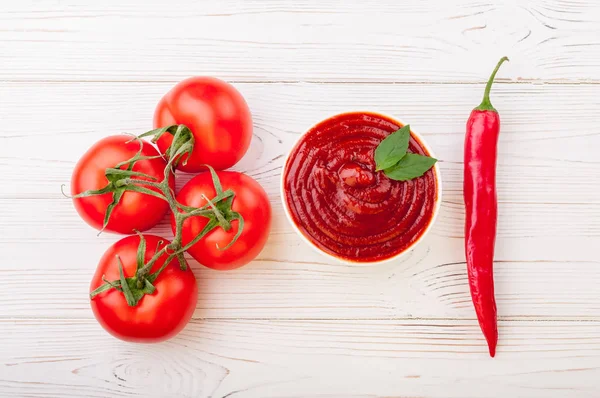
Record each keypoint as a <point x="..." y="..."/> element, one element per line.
<point x="341" y="204"/>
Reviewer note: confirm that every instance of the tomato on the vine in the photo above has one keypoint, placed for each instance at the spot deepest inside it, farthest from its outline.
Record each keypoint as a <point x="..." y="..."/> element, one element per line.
<point x="250" y="201"/>
<point x="157" y="316"/>
<point x="135" y="211"/>
<point x="218" y="117"/>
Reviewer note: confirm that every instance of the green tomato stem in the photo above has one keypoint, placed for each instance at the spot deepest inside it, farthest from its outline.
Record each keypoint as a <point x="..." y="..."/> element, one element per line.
<point x="218" y="210"/>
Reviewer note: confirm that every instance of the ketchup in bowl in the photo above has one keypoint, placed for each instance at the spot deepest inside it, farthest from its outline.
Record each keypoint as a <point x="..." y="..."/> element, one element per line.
<point x="341" y="205"/>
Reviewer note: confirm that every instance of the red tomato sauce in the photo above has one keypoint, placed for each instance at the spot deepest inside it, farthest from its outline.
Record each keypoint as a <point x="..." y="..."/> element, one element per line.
<point x="341" y="204"/>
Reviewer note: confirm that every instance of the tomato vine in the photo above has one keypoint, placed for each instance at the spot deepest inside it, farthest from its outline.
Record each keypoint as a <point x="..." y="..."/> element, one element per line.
<point x="120" y="180"/>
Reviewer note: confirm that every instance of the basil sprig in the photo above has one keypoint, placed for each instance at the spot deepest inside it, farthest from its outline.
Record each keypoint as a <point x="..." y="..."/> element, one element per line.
<point x="392" y="157"/>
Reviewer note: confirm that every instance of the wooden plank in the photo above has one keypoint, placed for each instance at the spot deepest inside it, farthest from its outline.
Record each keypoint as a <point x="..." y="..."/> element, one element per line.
<point x="386" y="41"/>
<point x="262" y="358"/>
<point x="549" y="208"/>
<point x="304" y="287"/>
<point x="547" y="141"/>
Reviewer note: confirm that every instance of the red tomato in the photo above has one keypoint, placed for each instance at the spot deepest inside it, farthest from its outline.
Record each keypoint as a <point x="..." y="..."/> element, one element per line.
<point x="250" y="201"/>
<point x="135" y="211"/>
<point x="218" y="117"/>
<point x="156" y="317"/>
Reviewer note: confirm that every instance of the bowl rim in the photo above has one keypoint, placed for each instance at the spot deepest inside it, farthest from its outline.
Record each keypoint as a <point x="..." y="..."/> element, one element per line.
<point x="339" y="260"/>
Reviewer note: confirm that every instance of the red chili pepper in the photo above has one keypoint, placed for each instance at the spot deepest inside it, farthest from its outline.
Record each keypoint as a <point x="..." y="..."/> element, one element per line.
<point x="479" y="192"/>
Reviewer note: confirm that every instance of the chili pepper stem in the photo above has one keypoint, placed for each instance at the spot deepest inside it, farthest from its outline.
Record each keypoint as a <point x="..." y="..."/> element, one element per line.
<point x="486" y="105"/>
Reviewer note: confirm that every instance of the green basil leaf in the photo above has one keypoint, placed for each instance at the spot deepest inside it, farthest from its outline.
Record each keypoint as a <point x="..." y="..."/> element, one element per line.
<point x="409" y="167"/>
<point x="392" y="148"/>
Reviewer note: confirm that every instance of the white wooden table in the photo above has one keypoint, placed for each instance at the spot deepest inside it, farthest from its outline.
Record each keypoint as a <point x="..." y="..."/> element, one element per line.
<point x="292" y="324"/>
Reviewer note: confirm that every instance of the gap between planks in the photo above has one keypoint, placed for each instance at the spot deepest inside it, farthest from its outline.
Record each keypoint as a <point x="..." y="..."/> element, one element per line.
<point x="522" y="318"/>
<point x="497" y="81"/>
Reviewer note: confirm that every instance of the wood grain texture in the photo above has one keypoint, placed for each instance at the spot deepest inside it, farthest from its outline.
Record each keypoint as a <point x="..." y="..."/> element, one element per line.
<point x="266" y="358"/>
<point x="293" y="324"/>
<point x="270" y="40"/>
<point x="543" y="268"/>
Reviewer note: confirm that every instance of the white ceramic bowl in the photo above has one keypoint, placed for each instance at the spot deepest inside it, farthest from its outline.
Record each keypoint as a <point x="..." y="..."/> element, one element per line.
<point x="436" y="208"/>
